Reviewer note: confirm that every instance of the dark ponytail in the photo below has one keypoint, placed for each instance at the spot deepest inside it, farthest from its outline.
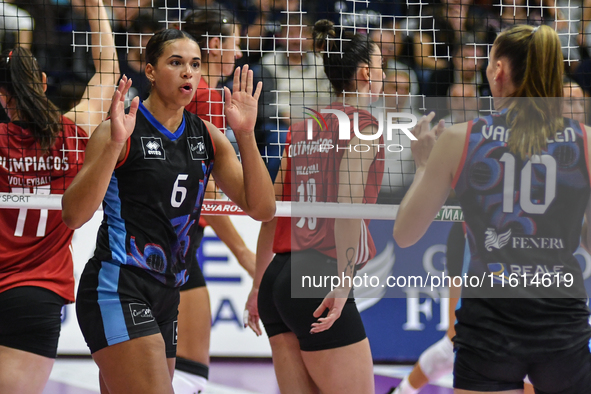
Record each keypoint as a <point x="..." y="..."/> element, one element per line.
<point x="342" y="53"/>
<point x="21" y="77"/>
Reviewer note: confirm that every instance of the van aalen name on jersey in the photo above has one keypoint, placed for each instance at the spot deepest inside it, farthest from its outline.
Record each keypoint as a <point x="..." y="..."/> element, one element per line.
<point x="500" y="133"/>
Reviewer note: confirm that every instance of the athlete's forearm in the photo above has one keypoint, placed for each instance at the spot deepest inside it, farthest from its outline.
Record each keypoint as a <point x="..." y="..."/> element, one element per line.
<point x="264" y="250"/>
<point x="227" y="233"/>
<point x="85" y="194"/>
<point x="347" y="233"/>
<point x="258" y="188"/>
<point x="103" y="44"/>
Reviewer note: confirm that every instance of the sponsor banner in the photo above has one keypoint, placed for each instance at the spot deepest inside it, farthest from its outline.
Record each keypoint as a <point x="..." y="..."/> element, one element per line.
<point x="399" y="328"/>
<point x="402" y="321"/>
<point x="211" y="207"/>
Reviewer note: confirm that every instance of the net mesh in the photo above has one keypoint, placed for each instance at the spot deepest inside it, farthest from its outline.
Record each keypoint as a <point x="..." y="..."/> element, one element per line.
<point x="434" y="56"/>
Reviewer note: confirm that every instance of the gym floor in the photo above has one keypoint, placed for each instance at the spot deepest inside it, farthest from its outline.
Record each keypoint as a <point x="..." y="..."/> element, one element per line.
<point x="227" y="376"/>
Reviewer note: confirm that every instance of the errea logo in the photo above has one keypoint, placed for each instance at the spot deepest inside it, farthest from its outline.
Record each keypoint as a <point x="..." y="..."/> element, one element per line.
<point x="153" y="149"/>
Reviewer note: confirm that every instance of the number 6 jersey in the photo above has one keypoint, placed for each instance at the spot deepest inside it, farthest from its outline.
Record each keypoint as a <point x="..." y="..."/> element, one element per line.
<point x="153" y="201"/>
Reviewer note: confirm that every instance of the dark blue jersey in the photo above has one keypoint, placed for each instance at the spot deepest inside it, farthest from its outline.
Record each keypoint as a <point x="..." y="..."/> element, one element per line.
<point x="154" y="199"/>
<point x="523" y="221"/>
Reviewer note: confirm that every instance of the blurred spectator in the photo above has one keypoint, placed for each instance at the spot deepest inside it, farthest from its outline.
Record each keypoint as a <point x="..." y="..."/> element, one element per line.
<point x="16" y="26"/>
<point x="261" y="22"/>
<point x="393" y="41"/>
<point x="132" y="60"/>
<point x="65" y="57"/>
<point x="399" y="165"/>
<point x="466" y="67"/>
<point x="360" y="15"/>
<point x="299" y="75"/>
<point x="562" y="19"/>
<point x="219" y="39"/>
<point x="397" y="87"/>
<point x="124" y="12"/>
<point x="463" y="104"/>
<point x="433" y="45"/>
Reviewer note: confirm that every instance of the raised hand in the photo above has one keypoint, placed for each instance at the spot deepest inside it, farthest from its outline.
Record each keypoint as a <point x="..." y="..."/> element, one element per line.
<point x="334" y="302"/>
<point x="122" y="124"/>
<point x="421" y="148"/>
<point x="241" y="104"/>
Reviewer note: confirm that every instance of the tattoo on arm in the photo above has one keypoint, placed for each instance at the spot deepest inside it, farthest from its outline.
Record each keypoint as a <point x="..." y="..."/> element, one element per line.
<point x="349" y="269"/>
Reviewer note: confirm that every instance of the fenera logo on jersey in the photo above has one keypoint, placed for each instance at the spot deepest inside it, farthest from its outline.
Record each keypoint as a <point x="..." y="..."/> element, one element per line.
<point x="496" y="241"/>
<point x="140" y="313"/>
<point x="197" y="148"/>
<point x="153" y="149"/>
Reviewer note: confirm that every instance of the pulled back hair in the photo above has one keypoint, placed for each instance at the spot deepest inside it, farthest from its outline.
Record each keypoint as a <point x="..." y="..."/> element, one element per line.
<point x="342" y="52"/>
<point x="204" y="24"/>
<point x="21" y="77"/>
<point x="537" y="67"/>
<point x="159" y="41"/>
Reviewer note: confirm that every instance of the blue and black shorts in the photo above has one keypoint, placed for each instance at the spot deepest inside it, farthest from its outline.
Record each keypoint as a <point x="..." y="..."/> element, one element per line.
<point x="117" y="303"/>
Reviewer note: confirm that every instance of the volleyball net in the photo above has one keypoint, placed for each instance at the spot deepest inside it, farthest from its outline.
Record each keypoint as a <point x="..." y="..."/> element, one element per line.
<point x="434" y="56"/>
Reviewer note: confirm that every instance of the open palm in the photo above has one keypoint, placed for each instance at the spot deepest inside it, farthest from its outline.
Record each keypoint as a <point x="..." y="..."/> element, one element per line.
<point x="241" y="104"/>
<point x="122" y="124"/>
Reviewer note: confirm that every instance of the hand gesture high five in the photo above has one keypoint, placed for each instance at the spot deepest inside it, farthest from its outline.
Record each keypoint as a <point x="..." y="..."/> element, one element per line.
<point x="241" y="104"/>
<point x="122" y="124"/>
<point x="426" y="137"/>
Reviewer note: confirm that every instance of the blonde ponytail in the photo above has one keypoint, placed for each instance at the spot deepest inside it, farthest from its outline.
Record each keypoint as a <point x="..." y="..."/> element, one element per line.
<point x="537" y="68"/>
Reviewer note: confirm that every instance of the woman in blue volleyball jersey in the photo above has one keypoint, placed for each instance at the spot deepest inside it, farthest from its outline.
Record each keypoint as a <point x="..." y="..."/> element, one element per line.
<point x="524" y="195"/>
<point x="149" y="167"/>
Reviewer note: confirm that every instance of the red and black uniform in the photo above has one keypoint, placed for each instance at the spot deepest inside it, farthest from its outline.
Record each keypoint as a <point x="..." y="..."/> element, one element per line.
<point x="523" y="220"/>
<point x="35" y="252"/>
<point x="306" y="245"/>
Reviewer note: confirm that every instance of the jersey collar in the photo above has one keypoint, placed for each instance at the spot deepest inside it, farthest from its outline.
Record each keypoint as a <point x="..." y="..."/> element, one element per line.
<point x="160" y="127"/>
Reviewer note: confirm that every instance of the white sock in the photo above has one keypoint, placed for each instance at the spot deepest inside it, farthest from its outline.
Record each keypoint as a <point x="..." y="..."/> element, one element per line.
<point x="186" y="383"/>
<point x="405" y="387"/>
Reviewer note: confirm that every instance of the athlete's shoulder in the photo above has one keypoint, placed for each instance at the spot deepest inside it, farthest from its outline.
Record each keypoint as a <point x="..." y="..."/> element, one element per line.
<point x="71" y="129"/>
<point x="457" y="131"/>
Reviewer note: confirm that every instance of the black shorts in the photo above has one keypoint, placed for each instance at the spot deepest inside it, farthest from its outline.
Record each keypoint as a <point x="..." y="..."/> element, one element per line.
<point x="116" y="303"/>
<point x="30" y="320"/>
<point x="454" y="256"/>
<point x="565" y="372"/>
<point x="281" y="313"/>
<point x="196" y="278"/>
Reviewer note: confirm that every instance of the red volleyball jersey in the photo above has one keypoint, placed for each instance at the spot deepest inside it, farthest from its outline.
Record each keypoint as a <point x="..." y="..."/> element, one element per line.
<point x="313" y="176"/>
<point x="36" y="244"/>
<point x="208" y="105"/>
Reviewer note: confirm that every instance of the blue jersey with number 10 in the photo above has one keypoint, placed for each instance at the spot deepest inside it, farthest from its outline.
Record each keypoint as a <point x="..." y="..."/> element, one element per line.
<point x="523" y="220"/>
